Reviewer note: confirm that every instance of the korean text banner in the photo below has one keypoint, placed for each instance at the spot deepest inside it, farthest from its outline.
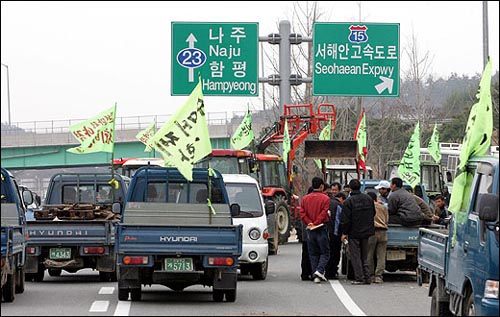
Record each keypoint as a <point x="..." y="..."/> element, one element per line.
<point x="146" y="135"/>
<point x="243" y="136"/>
<point x="184" y="139"/>
<point x="409" y="167"/>
<point x="96" y="134"/>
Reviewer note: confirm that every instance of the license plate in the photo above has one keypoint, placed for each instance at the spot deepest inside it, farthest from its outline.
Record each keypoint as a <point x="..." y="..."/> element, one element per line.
<point x="60" y="253"/>
<point x="395" y="255"/>
<point x="178" y="264"/>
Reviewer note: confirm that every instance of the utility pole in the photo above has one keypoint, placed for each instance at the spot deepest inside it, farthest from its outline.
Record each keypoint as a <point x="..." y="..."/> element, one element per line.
<point x="8" y="91"/>
<point x="485" y="34"/>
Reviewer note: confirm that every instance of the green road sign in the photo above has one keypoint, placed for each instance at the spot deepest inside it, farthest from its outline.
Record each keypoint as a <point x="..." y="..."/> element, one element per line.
<point x="356" y="59"/>
<point x="225" y="54"/>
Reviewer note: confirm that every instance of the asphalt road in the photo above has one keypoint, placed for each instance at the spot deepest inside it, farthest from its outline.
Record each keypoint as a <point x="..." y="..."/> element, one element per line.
<point x="282" y="293"/>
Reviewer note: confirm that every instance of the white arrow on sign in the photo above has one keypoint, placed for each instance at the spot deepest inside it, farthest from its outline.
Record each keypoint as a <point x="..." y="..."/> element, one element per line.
<point x="386" y="83"/>
<point x="191" y="39"/>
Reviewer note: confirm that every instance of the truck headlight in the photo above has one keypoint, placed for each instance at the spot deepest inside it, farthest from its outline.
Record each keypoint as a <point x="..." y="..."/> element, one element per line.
<point x="254" y="234"/>
<point x="491" y="289"/>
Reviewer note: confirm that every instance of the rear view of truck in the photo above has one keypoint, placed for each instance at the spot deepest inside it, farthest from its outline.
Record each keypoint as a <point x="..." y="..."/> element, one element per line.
<point x="13" y="207"/>
<point x="75" y="228"/>
<point x="177" y="233"/>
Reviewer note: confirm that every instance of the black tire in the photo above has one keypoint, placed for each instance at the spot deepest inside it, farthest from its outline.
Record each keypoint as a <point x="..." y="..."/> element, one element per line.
<point x="29" y="277"/>
<point x="9" y="288"/>
<point x="105" y="276"/>
<point x="135" y="294"/>
<point x="55" y="272"/>
<point x="230" y="295"/>
<point x="123" y="293"/>
<point x="259" y="271"/>
<point x="38" y="276"/>
<point x="20" y="281"/>
<point x="468" y="307"/>
<point x="113" y="276"/>
<point x="218" y="295"/>
<point x="439" y="308"/>
<point x="282" y="220"/>
<point x="272" y="246"/>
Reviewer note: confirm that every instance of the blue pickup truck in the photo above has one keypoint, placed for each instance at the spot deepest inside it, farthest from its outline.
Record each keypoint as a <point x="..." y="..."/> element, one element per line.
<point x="75" y="228"/>
<point x="178" y="233"/>
<point x="13" y="208"/>
<point x="461" y="264"/>
<point x="402" y="242"/>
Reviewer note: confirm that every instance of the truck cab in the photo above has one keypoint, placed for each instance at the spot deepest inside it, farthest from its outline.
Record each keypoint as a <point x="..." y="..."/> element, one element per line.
<point x="461" y="263"/>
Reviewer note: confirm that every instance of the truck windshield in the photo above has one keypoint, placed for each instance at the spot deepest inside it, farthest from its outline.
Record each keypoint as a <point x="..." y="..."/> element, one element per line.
<point x="272" y="174"/>
<point x="226" y="165"/>
<point x="247" y="196"/>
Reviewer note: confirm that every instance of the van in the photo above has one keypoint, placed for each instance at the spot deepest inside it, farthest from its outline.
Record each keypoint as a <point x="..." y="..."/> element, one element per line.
<point x="245" y="191"/>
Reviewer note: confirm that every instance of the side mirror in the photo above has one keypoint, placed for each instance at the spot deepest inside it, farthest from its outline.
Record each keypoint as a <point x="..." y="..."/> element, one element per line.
<point x="270" y="207"/>
<point x="27" y="197"/>
<point x="235" y="210"/>
<point x="488" y="207"/>
<point x="116" y="208"/>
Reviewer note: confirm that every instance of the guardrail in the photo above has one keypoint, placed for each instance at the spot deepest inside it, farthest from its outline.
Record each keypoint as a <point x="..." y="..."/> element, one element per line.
<point x="122" y="123"/>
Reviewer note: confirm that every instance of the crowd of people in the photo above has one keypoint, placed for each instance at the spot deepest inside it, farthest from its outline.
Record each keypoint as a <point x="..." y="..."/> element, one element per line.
<point x="333" y="215"/>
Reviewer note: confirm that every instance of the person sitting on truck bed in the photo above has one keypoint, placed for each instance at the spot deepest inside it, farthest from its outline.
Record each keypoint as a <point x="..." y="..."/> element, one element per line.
<point x="442" y="215"/>
<point x="384" y="188"/>
<point x="426" y="210"/>
<point x="403" y="209"/>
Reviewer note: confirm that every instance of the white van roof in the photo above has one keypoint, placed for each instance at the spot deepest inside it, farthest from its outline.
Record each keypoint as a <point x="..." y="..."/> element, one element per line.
<point x="239" y="178"/>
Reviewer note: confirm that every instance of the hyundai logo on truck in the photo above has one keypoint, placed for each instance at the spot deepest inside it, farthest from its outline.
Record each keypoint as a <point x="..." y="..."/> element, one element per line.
<point x="58" y="232"/>
<point x="178" y="239"/>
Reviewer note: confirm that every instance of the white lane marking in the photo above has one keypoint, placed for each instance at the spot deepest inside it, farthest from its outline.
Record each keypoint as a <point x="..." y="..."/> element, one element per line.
<point x="106" y="290"/>
<point x="122" y="308"/>
<point x="99" y="306"/>
<point x="346" y="299"/>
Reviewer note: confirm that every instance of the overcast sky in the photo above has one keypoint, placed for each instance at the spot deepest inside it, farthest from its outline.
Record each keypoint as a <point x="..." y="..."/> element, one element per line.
<point x="72" y="60"/>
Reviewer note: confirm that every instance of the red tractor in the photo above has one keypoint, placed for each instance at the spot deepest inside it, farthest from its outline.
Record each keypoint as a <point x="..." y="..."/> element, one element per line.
<point x="270" y="170"/>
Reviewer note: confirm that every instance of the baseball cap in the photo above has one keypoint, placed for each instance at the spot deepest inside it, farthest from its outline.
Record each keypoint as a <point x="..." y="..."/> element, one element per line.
<point x="383" y="184"/>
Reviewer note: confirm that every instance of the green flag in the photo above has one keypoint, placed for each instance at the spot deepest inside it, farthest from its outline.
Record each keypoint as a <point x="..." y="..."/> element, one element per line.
<point x="243" y="135"/>
<point x="360" y="136"/>
<point x="409" y="167"/>
<point x="433" y="147"/>
<point x="96" y="134"/>
<point x="286" y="142"/>
<point x="325" y="134"/>
<point x="477" y="140"/>
<point x="146" y="135"/>
<point x="184" y="139"/>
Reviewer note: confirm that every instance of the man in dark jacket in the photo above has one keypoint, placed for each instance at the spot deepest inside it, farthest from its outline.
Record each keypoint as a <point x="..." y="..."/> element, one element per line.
<point x="358" y="214"/>
<point x="403" y="208"/>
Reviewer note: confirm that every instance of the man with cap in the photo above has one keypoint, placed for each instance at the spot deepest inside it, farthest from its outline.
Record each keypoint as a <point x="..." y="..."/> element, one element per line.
<point x="384" y="188"/>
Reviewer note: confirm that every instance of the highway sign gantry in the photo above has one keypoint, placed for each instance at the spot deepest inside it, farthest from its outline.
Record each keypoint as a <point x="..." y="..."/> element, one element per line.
<point x="225" y="54"/>
<point x="356" y="59"/>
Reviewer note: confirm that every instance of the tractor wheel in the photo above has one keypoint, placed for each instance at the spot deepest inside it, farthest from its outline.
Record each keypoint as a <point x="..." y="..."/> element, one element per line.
<point x="282" y="219"/>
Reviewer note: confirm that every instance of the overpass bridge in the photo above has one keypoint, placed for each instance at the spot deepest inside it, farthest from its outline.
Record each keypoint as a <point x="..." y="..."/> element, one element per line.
<point x="34" y="151"/>
<point x="43" y="144"/>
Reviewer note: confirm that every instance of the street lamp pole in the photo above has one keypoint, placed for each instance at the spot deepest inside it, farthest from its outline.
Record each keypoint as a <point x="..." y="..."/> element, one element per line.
<point x="8" y="91"/>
